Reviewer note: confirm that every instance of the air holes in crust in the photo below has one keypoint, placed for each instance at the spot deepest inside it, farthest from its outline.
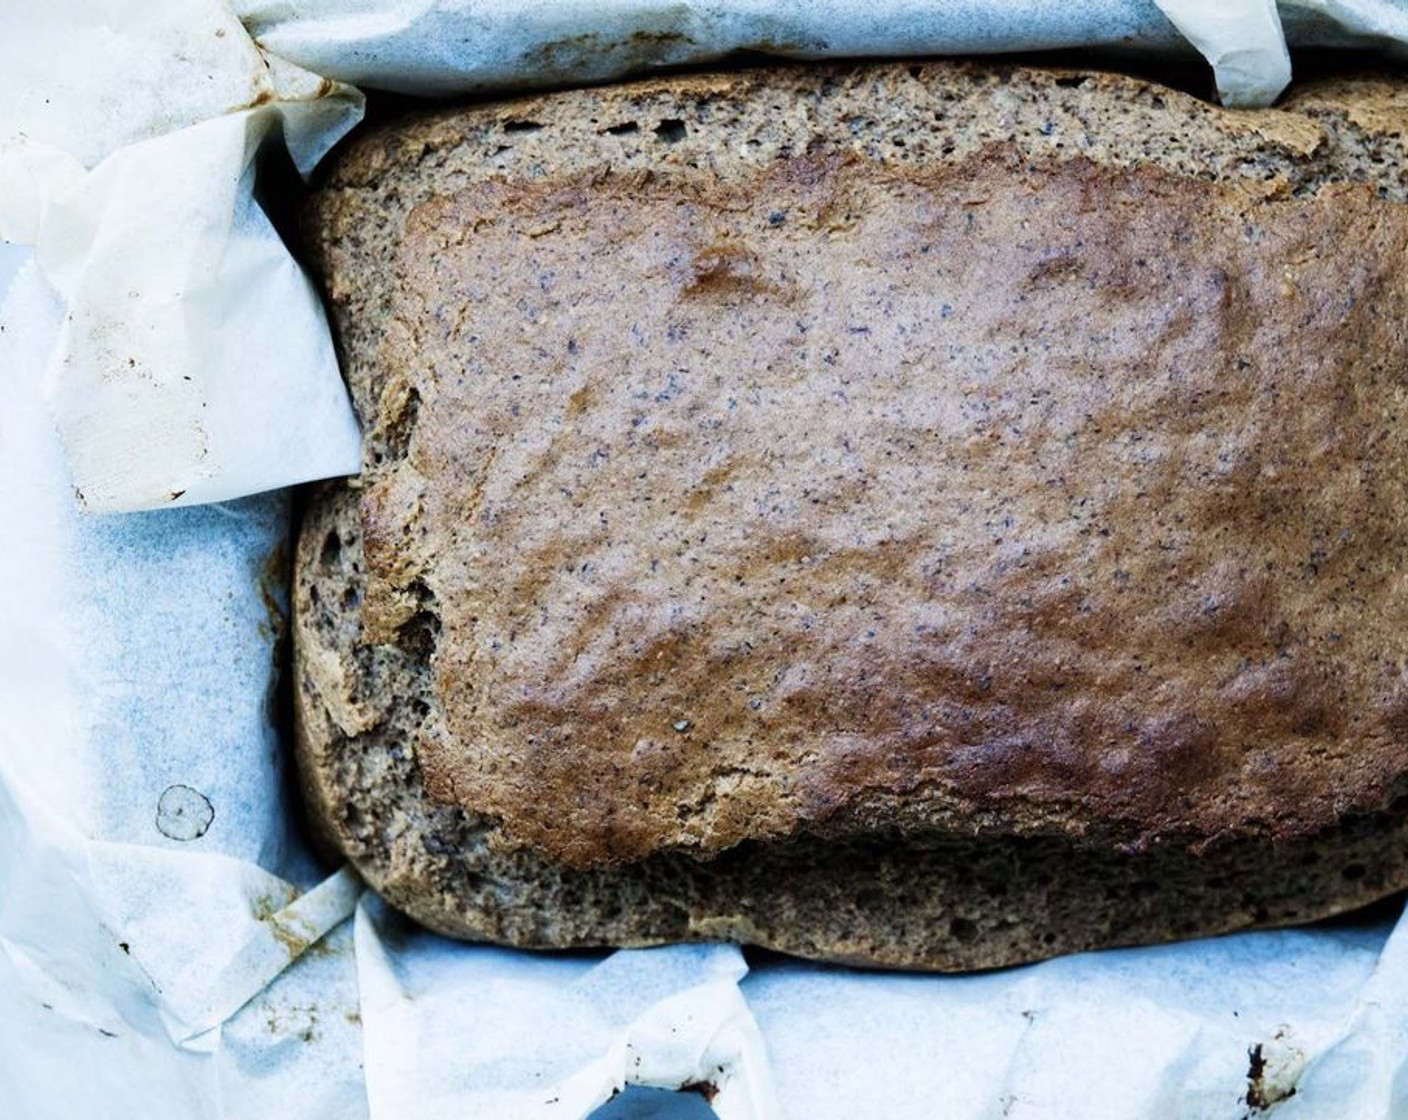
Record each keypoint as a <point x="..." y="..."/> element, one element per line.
<point x="419" y="635"/>
<point x="671" y="130"/>
<point x="963" y="930"/>
<point x="332" y="550"/>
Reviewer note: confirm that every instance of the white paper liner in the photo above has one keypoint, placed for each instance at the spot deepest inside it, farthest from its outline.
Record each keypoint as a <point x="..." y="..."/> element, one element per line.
<point x="483" y="1033"/>
<point x="441" y="48"/>
<point x="1157" y="1032"/>
<point x="1244" y="43"/>
<point x="194" y="364"/>
<point x="162" y="928"/>
<point x="149" y="874"/>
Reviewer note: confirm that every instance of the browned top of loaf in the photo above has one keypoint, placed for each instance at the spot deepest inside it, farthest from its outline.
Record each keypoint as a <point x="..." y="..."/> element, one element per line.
<point x="1026" y="483"/>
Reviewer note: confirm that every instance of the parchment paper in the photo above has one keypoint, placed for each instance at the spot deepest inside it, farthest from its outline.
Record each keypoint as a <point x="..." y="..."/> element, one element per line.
<point x="167" y="944"/>
<point x="193" y="363"/>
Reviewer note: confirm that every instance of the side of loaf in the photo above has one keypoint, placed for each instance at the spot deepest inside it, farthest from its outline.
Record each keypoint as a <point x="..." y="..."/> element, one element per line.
<point x="933" y="516"/>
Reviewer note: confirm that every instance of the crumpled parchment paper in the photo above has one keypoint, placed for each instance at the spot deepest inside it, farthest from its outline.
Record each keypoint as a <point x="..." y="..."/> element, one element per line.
<point x="164" y="931"/>
<point x="193" y="363"/>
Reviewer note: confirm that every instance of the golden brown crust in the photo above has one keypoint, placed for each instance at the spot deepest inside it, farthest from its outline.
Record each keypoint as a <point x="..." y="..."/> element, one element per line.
<point x="1048" y="486"/>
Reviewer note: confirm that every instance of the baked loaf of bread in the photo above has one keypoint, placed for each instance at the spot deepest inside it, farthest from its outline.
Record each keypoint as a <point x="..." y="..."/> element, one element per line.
<point x="933" y="516"/>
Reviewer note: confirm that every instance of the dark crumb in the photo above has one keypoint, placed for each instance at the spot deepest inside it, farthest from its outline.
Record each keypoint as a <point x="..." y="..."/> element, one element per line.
<point x="706" y="1089"/>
